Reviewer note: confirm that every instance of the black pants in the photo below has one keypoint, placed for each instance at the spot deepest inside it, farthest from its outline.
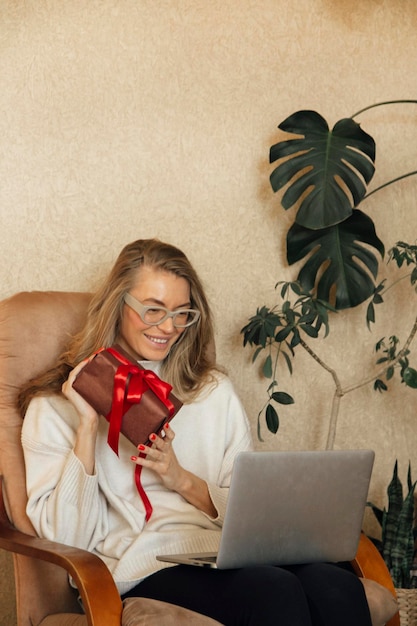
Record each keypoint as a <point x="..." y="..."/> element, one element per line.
<point x="304" y="595"/>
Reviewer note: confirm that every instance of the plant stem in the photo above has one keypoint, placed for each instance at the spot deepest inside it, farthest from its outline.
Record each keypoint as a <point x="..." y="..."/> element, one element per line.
<point x="380" y="104"/>
<point x="390" y="182"/>
<point x="331" y="433"/>
<point x="373" y="106"/>
<point x="399" y="356"/>
<point x="331" y="371"/>
<point x="340" y="392"/>
<point x="395" y="282"/>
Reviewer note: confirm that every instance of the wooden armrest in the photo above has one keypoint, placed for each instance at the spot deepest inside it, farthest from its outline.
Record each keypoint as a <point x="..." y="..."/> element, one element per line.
<point x="101" y="600"/>
<point x="368" y="563"/>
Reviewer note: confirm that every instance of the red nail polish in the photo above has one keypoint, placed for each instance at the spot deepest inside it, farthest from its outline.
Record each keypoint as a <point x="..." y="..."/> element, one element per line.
<point x="133" y="458"/>
<point x="141" y="446"/>
<point x="152" y="437"/>
<point x="166" y="426"/>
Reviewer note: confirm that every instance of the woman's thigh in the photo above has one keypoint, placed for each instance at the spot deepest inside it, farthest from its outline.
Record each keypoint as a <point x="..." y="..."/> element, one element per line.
<point x="319" y="594"/>
<point x="251" y="596"/>
<point x="335" y="595"/>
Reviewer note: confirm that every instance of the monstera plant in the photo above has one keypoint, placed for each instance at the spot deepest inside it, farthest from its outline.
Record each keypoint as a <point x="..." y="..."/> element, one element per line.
<point x="323" y="175"/>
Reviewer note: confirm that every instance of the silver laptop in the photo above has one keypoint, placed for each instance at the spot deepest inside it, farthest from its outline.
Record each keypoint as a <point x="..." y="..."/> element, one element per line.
<point x="286" y="508"/>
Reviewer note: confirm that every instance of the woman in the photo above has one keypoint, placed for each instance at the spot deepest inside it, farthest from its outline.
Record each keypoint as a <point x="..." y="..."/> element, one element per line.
<point x="81" y="493"/>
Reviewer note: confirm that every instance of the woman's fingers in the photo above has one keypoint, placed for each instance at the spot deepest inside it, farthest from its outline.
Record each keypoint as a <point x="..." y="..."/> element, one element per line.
<point x="85" y="410"/>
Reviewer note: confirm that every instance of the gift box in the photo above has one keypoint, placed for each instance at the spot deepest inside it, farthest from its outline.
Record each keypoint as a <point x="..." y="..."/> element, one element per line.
<point x="134" y="400"/>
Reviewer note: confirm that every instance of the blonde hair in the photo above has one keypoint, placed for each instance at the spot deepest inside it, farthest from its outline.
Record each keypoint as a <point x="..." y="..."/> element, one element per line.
<point x="190" y="363"/>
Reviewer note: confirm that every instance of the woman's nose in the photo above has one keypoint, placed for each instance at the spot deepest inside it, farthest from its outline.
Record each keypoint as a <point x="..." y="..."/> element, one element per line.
<point x="167" y="325"/>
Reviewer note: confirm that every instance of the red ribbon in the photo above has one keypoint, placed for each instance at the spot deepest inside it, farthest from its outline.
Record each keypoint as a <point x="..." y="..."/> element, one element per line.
<point x="146" y="502"/>
<point x="125" y="394"/>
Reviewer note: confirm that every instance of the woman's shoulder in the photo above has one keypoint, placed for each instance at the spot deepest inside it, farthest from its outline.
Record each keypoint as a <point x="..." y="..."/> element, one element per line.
<point x="47" y="411"/>
<point x="218" y="385"/>
<point x="47" y="401"/>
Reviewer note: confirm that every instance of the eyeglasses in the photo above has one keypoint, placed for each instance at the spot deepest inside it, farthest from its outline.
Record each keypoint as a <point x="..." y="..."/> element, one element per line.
<point x="154" y="315"/>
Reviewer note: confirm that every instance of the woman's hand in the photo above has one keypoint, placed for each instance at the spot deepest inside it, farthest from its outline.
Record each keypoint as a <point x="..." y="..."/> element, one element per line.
<point x="161" y="459"/>
<point x="88" y="415"/>
<point x="85" y="442"/>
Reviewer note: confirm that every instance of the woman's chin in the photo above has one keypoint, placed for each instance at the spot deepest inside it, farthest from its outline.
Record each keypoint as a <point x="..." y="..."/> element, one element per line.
<point x="146" y="350"/>
<point x="151" y="353"/>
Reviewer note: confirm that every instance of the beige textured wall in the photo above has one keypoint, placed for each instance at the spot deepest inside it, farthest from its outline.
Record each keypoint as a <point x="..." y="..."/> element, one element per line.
<point x="136" y="118"/>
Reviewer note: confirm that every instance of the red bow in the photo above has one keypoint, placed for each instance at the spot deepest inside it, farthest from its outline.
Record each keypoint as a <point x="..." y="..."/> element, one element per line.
<point x="141" y="380"/>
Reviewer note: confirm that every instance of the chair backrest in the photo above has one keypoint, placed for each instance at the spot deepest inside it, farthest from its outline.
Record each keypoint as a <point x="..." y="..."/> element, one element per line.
<point x="34" y="328"/>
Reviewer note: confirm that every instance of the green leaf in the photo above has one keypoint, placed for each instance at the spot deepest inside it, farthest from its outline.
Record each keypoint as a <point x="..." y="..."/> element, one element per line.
<point x="295" y="338"/>
<point x="404" y="361"/>
<point x="376" y="511"/>
<point x="282" y="398"/>
<point x="402" y="548"/>
<point x="267" y="367"/>
<point x="398" y="530"/>
<point x="284" y="289"/>
<point x="296" y="288"/>
<point x="261" y="327"/>
<point x="288" y="361"/>
<point x="379" y="345"/>
<point x="390" y="373"/>
<point x="272" y="419"/>
<point x="333" y="165"/>
<point x="337" y="260"/>
<point x="370" y="314"/>
<point x="283" y="334"/>
<point x="256" y="353"/>
<point x="311" y="331"/>
<point x="379" y="385"/>
<point x="272" y="385"/>
<point x="290" y="348"/>
<point x="409" y="376"/>
<point x="390" y="522"/>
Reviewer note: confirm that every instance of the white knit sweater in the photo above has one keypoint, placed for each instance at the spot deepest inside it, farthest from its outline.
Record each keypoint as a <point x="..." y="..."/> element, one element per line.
<point x="103" y="513"/>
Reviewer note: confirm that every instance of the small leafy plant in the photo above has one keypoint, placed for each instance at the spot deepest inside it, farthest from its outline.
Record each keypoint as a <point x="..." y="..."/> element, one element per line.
<point x="399" y="532"/>
<point x="279" y="331"/>
<point x="297" y="320"/>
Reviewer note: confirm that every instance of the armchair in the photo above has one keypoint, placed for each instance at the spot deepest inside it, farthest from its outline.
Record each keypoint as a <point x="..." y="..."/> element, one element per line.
<point x="34" y="326"/>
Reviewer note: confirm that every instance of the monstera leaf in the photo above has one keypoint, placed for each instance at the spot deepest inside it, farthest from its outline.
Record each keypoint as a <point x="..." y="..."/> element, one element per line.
<point x="327" y="170"/>
<point x="340" y="265"/>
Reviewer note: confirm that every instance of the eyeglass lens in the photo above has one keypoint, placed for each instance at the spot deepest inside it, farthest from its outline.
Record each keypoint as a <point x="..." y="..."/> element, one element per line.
<point x="182" y="318"/>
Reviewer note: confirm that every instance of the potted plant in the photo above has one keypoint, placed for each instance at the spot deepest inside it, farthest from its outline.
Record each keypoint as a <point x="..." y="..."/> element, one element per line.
<point x="325" y="175"/>
<point x="398" y="542"/>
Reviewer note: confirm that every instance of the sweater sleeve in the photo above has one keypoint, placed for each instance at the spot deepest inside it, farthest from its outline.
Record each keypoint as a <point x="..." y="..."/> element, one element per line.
<point x="219" y="494"/>
<point x="237" y="438"/>
<point x="64" y="503"/>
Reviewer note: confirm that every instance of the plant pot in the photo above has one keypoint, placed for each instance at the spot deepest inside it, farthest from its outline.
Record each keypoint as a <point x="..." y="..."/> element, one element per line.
<point x="407" y="602"/>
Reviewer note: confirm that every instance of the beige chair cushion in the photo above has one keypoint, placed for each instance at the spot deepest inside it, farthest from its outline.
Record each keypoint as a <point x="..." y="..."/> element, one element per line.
<point x="64" y="619"/>
<point x="146" y="612"/>
<point x="140" y="612"/>
<point x="381" y="602"/>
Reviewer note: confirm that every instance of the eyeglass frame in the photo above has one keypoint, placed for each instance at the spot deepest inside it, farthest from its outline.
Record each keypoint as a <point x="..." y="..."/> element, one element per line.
<point x="141" y="309"/>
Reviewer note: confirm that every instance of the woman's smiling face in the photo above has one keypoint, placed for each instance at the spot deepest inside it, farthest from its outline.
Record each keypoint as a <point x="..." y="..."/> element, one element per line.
<point x="159" y="288"/>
